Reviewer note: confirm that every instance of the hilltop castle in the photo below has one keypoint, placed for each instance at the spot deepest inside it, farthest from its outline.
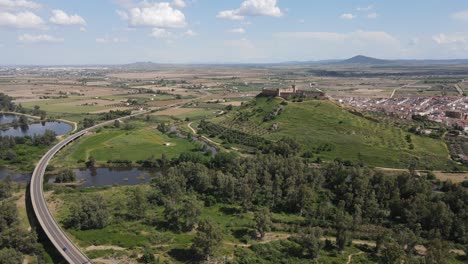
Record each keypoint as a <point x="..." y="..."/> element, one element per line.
<point x="286" y="93"/>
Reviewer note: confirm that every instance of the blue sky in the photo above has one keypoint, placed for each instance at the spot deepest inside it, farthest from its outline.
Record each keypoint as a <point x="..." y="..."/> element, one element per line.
<point x="219" y="31"/>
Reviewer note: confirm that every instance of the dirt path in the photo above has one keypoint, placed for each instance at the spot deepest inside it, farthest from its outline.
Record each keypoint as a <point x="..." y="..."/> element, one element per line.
<point x="104" y="247"/>
<point x="205" y="138"/>
<point x="441" y="175"/>
<point x="350" y="257"/>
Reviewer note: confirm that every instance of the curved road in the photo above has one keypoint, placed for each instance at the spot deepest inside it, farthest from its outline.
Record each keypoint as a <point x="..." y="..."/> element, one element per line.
<point x="70" y="252"/>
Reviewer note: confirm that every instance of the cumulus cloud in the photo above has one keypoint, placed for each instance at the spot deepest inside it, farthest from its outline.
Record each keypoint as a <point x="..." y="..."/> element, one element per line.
<point x="179" y="3"/>
<point x="462" y="16"/>
<point x="237" y="30"/>
<point x="348" y="16"/>
<point x="28" y="38"/>
<point x="252" y="8"/>
<point x="157" y="15"/>
<point x="107" y="39"/>
<point x="25" y="19"/>
<point x="59" y="17"/>
<point x="16" y="4"/>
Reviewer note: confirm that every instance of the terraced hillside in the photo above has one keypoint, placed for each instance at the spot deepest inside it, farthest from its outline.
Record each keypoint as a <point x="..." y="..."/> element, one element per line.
<point x="329" y="131"/>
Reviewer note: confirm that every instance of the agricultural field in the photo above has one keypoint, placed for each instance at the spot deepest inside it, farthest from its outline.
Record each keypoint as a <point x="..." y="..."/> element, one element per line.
<point x="330" y="131"/>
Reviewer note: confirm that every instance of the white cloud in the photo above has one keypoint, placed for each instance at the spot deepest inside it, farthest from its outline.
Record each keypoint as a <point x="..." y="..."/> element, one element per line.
<point x="16" y="4"/>
<point x="25" y="19"/>
<point x="229" y="14"/>
<point x="454" y="41"/>
<point x="372" y="16"/>
<point x="462" y="16"/>
<point x="179" y="3"/>
<point x="160" y="33"/>
<point x="348" y="16"/>
<point x="122" y="14"/>
<point x="159" y="15"/>
<point x="237" y="30"/>
<point x="366" y="8"/>
<point x="59" y="17"/>
<point x="252" y="8"/>
<point x="107" y="39"/>
<point x="190" y="33"/>
<point x="28" y="38"/>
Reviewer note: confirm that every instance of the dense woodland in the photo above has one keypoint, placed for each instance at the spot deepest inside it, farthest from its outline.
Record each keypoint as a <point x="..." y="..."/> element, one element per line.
<point x="345" y="202"/>
<point x="15" y="241"/>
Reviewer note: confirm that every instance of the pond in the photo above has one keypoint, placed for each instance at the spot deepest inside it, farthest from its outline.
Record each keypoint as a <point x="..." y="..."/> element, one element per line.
<point x="60" y="128"/>
<point x="101" y="177"/>
<point x="7" y="118"/>
<point x="14" y="176"/>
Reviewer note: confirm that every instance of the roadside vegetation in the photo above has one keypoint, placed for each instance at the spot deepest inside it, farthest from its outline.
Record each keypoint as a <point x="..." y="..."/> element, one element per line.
<point x="17" y="240"/>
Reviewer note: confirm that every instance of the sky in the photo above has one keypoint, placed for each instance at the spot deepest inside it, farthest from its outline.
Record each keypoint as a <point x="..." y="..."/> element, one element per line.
<point x="71" y="32"/>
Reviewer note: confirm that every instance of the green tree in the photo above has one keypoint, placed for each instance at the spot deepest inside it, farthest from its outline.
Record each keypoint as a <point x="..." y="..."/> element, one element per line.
<point x="5" y="188"/>
<point x="91" y="163"/>
<point x="391" y="253"/>
<point x="343" y="223"/>
<point x="137" y="203"/>
<point x="10" y="256"/>
<point x="148" y="256"/>
<point x="309" y="239"/>
<point x="91" y="212"/>
<point x="184" y="216"/>
<point x="207" y="239"/>
<point x="262" y="221"/>
<point x="437" y="252"/>
<point x="117" y="123"/>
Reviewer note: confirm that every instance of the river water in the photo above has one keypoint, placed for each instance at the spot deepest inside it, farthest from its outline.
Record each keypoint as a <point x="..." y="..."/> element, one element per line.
<point x="60" y="128"/>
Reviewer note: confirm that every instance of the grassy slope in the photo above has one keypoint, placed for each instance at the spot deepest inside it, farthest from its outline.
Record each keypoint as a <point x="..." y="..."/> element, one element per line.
<point x="315" y="123"/>
<point x="136" y="144"/>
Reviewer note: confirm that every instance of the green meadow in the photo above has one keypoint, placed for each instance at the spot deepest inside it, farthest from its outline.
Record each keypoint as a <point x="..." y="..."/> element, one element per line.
<point x="136" y="144"/>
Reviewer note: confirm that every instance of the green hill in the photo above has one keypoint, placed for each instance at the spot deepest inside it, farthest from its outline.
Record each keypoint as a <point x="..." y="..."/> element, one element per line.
<point x="330" y="131"/>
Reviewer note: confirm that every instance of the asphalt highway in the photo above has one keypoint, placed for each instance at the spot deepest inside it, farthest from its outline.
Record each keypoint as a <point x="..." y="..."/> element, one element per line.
<point x="70" y="252"/>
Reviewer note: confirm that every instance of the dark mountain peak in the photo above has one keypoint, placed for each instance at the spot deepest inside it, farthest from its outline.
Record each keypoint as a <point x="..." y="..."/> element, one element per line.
<point x="361" y="59"/>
